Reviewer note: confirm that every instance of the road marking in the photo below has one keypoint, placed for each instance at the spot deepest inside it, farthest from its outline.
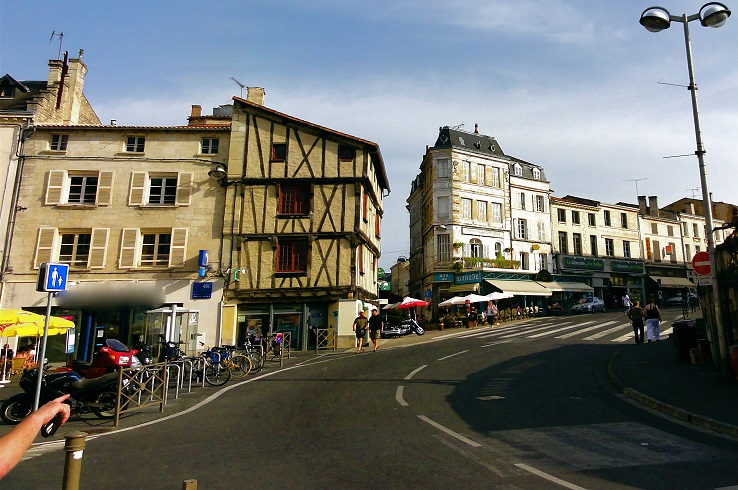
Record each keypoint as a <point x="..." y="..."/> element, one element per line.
<point x="572" y="334"/>
<point x="491" y="397"/>
<point x="416" y="371"/>
<point x="497" y="343"/>
<point x="452" y="355"/>
<point x="607" y="332"/>
<point x="399" y="398"/>
<point x="548" y="477"/>
<point x="551" y="332"/>
<point x="449" y="431"/>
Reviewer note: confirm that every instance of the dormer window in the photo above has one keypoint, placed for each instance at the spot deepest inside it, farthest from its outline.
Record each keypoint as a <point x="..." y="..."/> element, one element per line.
<point x="517" y="170"/>
<point x="536" y="173"/>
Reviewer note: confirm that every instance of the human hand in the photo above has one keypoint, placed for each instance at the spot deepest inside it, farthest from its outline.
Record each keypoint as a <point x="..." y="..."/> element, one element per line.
<point x="55" y="409"/>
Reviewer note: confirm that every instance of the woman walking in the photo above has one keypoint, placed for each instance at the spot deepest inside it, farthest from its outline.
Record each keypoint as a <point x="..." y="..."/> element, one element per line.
<point x="636" y="317"/>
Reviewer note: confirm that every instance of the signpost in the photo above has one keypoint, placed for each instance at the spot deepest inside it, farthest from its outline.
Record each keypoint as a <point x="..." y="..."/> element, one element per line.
<point x="701" y="263"/>
<point x="52" y="278"/>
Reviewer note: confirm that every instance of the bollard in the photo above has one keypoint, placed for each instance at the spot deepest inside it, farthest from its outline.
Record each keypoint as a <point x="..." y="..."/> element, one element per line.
<point x="189" y="485"/>
<point x="74" y="448"/>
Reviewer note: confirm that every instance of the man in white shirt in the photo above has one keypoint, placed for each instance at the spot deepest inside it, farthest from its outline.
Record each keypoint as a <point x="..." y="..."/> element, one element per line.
<point x="627" y="303"/>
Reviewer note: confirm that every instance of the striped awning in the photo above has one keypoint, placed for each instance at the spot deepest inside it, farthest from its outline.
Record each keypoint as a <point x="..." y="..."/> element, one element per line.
<point x="566" y="287"/>
<point x="519" y="288"/>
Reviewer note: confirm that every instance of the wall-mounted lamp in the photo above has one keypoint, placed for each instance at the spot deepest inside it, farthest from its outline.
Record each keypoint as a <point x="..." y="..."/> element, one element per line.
<point x="441" y="227"/>
<point x="218" y="171"/>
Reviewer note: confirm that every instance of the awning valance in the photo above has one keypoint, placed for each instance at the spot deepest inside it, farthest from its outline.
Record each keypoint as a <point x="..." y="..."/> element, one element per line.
<point x="464" y="288"/>
<point x="519" y="288"/>
<point x="673" y="282"/>
<point x="566" y="287"/>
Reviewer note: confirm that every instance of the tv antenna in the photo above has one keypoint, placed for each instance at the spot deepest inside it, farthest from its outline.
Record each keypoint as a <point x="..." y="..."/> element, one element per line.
<point x="458" y="126"/>
<point x="60" y="35"/>
<point x="636" y="181"/>
<point x="240" y="85"/>
<point x="694" y="189"/>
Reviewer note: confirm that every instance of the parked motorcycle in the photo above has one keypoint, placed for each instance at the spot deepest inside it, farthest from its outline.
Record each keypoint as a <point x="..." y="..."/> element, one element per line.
<point x="170" y="350"/>
<point x="404" y="328"/>
<point x="111" y="356"/>
<point x="96" y="395"/>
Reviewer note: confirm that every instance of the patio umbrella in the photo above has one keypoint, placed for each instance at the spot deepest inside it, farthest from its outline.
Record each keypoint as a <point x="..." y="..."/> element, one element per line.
<point x="456" y="300"/>
<point x="474" y="298"/>
<point x="390" y="306"/>
<point x="409" y="302"/>
<point x="497" y="296"/>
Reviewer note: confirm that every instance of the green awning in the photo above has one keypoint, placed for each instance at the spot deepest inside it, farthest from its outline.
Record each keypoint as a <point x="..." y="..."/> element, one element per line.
<point x="566" y="287"/>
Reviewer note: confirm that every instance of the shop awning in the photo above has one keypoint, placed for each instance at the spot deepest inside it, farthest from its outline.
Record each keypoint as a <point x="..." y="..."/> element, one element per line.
<point x="673" y="282"/>
<point x="464" y="288"/>
<point x="566" y="287"/>
<point x="519" y="288"/>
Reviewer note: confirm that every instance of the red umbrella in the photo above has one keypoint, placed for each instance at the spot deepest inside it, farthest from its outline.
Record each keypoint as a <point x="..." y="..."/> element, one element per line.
<point x="412" y="302"/>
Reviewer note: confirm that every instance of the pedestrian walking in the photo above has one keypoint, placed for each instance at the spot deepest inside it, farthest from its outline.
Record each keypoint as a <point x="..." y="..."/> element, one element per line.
<point x="472" y="318"/>
<point x="360" y="323"/>
<point x="653" y="318"/>
<point x="627" y="303"/>
<point x="376" y="325"/>
<point x="636" y="317"/>
<point x="491" y="313"/>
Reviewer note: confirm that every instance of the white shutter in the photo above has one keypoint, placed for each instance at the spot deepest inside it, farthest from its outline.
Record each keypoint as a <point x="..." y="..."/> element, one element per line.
<point x="44" y="246"/>
<point x="184" y="188"/>
<point x="55" y="187"/>
<point x="177" y="255"/>
<point x="128" y="258"/>
<point x="104" y="189"/>
<point x="137" y="192"/>
<point x="98" y="248"/>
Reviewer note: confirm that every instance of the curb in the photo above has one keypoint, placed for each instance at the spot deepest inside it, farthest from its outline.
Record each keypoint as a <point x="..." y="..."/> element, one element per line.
<point x="675" y="412"/>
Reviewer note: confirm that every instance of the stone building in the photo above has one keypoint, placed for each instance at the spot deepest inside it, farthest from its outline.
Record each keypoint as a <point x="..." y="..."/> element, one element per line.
<point x="302" y="226"/>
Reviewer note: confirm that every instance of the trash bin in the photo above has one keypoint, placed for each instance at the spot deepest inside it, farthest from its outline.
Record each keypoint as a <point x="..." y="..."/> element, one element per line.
<point x="686" y="336"/>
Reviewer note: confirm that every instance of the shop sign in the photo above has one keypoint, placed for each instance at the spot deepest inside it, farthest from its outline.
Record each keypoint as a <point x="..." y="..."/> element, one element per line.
<point x="626" y="266"/>
<point x="649" y="253"/>
<point x="588" y="263"/>
<point x="443" y="277"/>
<point x="469" y="277"/>
<point x="202" y="290"/>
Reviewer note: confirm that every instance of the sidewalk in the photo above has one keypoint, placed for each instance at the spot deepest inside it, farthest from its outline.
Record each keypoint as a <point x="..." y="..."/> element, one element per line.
<point x="653" y="374"/>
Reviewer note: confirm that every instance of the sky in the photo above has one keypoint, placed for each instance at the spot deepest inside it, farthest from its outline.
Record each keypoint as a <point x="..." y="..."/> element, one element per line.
<point x="578" y="87"/>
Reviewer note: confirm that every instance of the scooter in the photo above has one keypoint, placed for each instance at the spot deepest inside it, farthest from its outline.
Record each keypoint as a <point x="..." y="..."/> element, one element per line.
<point x="97" y="395"/>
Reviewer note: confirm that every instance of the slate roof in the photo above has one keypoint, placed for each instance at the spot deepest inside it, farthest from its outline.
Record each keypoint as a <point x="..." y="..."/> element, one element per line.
<point x="474" y="142"/>
<point x="25" y="91"/>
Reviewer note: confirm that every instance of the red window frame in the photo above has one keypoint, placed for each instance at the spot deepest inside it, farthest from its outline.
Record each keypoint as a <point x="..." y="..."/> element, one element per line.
<point x="279" y="152"/>
<point x="292" y="256"/>
<point x="294" y="199"/>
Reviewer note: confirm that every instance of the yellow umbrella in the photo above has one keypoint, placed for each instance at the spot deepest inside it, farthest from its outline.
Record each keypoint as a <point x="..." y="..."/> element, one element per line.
<point x="14" y="317"/>
<point x="33" y="330"/>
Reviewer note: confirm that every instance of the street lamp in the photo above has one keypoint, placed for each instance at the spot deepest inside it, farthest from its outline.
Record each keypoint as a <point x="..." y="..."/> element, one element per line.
<point x="712" y="14"/>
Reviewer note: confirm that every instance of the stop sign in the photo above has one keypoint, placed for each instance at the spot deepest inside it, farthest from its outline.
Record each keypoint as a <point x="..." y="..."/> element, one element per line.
<point x="701" y="263"/>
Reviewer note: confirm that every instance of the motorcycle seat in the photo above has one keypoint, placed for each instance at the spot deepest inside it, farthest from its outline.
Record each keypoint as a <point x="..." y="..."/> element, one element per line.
<point x="84" y="383"/>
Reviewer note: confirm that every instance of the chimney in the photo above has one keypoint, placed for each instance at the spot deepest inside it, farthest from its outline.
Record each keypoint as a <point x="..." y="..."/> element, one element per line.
<point x="476" y="128"/>
<point x="255" y="95"/>
<point x="642" y="208"/>
<point x="196" y="111"/>
<point x="55" y="69"/>
<point x="690" y="208"/>
<point x="653" y="206"/>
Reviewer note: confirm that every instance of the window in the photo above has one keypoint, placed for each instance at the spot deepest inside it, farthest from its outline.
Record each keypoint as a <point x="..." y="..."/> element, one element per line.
<point x="687" y="251"/>
<point x="279" y="152"/>
<point x="538" y="204"/>
<point x="164" y="247"/>
<point x="575" y="217"/>
<point x="561" y="214"/>
<point x="466" y="208"/>
<point x="626" y="249"/>
<point x="495" y="172"/>
<point x="482" y="210"/>
<point x="84" y="249"/>
<point x="685" y="229"/>
<point x="655" y="228"/>
<point x="524" y="264"/>
<point x="671" y="252"/>
<point x="542" y="262"/>
<point x="466" y="172"/>
<point x="592" y="219"/>
<point x="162" y="189"/>
<point x="517" y="170"/>
<point x="377" y="225"/>
<point x="443" y="208"/>
<point x="498" y="249"/>
<point x="475" y="248"/>
<point x="346" y="153"/>
<point x="608" y="221"/>
<point x="696" y="249"/>
<point x="209" y="145"/>
<point x="563" y="243"/>
<point x="593" y="245"/>
<point x="624" y="220"/>
<point x="78" y="188"/>
<point x="576" y="239"/>
<point x="542" y="233"/>
<point x="496" y="212"/>
<point x="481" y="180"/>
<point x="522" y="200"/>
<point x="444" y="168"/>
<point x="536" y="173"/>
<point x="59" y="142"/>
<point x="292" y="256"/>
<point x="669" y="230"/>
<point x="695" y="230"/>
<point x="522" y="229"/>
<point x="74" y="249"/>
<point x="656" y="251"/>
<point x="609" y="247"/>
<point x="294" y="199"/>
<point x="365" y="207"/>
<point x="443" y="250"/>
<point x="135" y="144"/>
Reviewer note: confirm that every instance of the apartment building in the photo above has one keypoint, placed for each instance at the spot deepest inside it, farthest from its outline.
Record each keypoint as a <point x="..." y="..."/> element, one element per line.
<point x="302" y="226"/>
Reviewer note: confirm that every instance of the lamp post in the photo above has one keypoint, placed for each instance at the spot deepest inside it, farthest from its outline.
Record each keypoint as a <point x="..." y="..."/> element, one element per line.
<point x="712" y="14"/>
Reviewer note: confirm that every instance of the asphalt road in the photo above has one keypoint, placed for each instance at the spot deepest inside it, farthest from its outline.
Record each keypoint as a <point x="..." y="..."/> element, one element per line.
<point x="526" y="405"/>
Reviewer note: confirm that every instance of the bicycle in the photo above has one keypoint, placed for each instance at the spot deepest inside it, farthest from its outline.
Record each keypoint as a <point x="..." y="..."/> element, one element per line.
<point x="239" y="364"/>
<point x="255" y="353"/>
<point x="214" y="371"/>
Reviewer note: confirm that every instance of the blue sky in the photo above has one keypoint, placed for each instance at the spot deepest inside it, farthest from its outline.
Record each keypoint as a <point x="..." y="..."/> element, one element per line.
<point x="571" y="85"/>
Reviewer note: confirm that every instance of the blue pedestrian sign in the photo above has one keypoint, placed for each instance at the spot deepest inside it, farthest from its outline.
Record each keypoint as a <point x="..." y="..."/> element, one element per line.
<point x="52" y="277"/>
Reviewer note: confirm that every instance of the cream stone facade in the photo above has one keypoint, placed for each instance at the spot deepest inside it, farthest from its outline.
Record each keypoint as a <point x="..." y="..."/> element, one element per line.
<point x="129" y="209"/>
<point x="302" y="226"/>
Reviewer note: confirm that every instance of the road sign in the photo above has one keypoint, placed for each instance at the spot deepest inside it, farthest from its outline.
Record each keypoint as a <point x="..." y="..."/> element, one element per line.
<point x="52" y="277"/>
<point x="701" y="263"/>
<point x="704" y="281"/>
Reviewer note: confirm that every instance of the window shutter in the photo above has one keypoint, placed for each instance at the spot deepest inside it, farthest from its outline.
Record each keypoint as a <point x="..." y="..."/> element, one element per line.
<point x="179" y="247"/>
<point x="104" y="188"/>
<point x="138" y="188"/>
<point x="128" y="248"/>
<point x="55" y="187"/>
<point x="98" y="248"/>
<point x="184" y="188"/>
<point x="44" y="246"/>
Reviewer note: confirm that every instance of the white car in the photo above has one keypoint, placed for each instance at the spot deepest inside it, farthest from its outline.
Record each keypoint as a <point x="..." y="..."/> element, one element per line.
<point x="589" y="305"/>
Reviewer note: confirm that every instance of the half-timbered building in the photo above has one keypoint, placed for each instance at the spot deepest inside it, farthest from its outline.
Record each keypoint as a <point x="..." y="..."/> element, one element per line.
<point x="302" y="226"/>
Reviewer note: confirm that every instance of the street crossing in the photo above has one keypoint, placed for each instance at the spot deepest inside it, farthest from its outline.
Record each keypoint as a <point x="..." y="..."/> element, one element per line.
<point x="603" y="329"/>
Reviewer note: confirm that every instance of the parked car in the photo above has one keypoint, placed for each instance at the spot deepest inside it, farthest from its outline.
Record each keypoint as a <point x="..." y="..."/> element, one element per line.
<point x="589" y="304"/>
<point x="692" y="300"/>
